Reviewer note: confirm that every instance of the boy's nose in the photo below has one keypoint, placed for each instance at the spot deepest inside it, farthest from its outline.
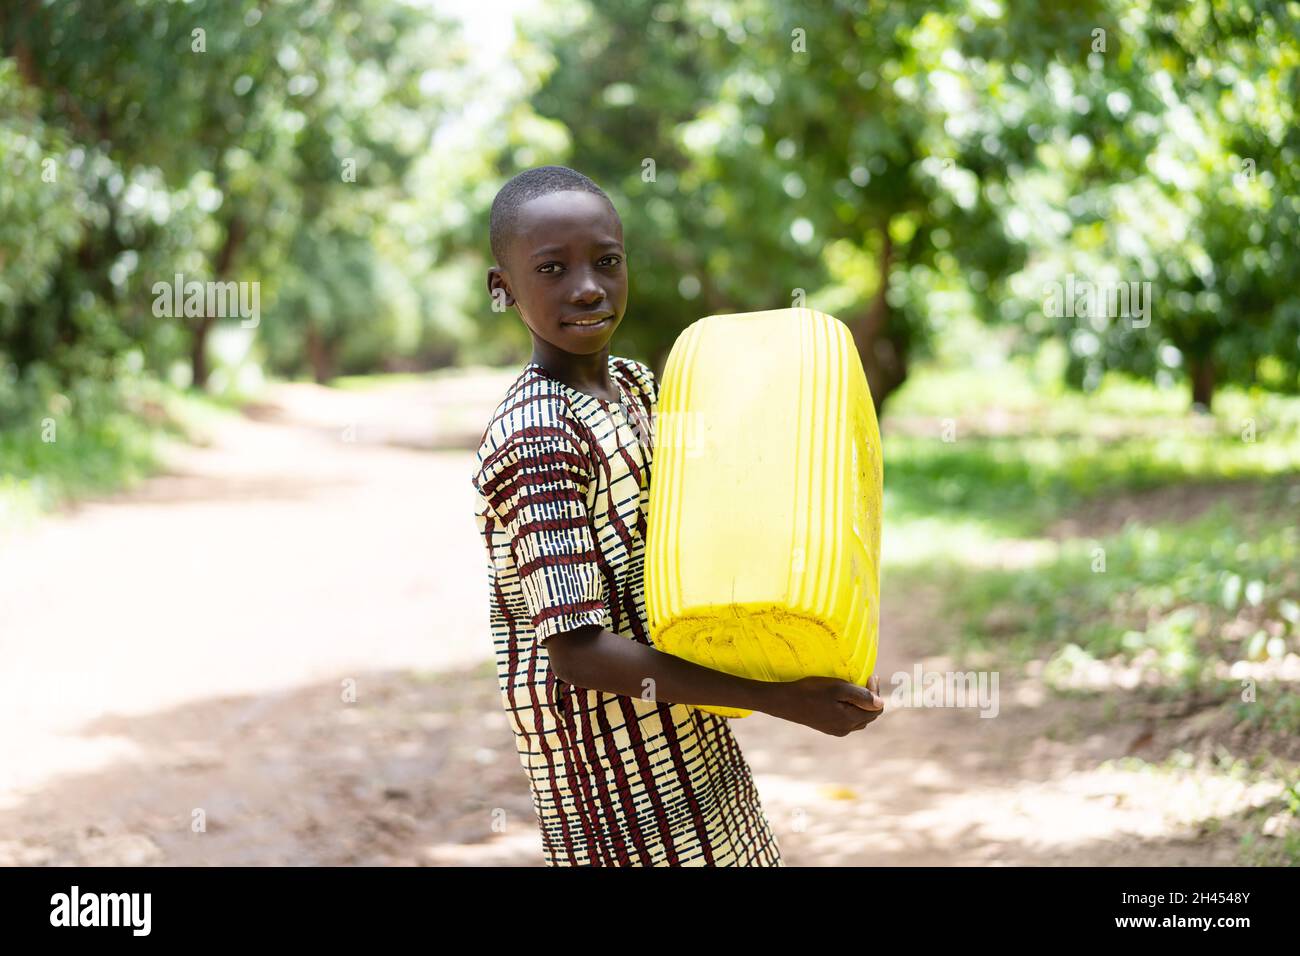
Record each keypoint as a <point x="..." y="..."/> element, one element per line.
<point x="588" y="293"/>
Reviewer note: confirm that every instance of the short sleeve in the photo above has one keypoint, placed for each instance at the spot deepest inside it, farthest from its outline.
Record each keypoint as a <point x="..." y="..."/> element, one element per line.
<point x="536" y="483"/>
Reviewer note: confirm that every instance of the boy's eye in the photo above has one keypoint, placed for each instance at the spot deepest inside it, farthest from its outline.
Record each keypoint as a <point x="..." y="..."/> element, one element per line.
<point x="545" y="268"/>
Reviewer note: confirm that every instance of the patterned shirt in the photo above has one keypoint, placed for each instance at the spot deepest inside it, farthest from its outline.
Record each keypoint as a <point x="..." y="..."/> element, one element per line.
<point x="563" y="481"/>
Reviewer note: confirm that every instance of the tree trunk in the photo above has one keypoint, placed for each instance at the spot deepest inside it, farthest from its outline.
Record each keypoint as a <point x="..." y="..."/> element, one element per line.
<point x="1201" y="370"/>
<point x="235" y="231"/>
<point x="884" y="355"/>
<point x="199" y="352"/>
<point x="319" y="355"/>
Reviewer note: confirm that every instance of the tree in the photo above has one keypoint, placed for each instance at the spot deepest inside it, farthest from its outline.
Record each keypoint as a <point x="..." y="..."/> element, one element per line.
<point x="856" y="154"/>
<point x="1182" y="161"/>
<point x="214" y="138"/>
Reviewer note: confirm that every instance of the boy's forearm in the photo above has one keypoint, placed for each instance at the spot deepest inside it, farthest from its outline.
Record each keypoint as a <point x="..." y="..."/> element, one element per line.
<point x="613" y="663"/>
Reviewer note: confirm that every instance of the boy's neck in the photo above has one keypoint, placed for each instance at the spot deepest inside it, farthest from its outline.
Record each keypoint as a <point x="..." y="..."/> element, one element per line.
<point x="586" y="373"/>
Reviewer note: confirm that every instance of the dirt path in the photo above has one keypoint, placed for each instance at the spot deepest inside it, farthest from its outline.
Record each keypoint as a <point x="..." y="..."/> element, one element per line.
<point x="175" y="662"/>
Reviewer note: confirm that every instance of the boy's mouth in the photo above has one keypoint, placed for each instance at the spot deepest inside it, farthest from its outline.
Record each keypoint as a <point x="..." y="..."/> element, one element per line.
<point x="591" y="321"/>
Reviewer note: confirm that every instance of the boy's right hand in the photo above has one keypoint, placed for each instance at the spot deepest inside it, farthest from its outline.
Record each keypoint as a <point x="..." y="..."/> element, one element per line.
<point x="828" y="704"/>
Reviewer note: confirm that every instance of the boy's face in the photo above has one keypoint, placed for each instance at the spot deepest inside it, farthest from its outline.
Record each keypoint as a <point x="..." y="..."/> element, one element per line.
<point x="566" y="265"/>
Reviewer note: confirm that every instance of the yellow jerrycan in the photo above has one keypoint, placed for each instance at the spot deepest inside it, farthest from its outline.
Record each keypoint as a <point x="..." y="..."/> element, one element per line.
<point x="763" y="533"/>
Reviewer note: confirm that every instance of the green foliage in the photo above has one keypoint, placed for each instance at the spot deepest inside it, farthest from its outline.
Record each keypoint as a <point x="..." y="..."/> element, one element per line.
<point x="1179" y="151"/>
<point x="219" y="140"/>
<point x="92" y="438"/>
<point x="902" y="168"/>
<point x="800" y="154"/>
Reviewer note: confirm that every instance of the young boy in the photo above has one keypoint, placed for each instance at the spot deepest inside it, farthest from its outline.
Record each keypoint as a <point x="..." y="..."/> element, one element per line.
<point x="619" y="775"/>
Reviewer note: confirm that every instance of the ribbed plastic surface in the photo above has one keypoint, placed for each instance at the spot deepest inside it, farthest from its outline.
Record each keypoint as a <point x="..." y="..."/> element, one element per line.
<point x="763" y="537"/>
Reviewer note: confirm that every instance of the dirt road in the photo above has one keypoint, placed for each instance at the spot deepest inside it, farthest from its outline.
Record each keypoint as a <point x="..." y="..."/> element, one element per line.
<point x="277" y="653"/>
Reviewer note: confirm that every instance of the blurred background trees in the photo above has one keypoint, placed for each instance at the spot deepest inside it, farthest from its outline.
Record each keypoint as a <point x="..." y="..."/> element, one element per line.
<point x="910" y="171"/>
<point x="222" y="141"/>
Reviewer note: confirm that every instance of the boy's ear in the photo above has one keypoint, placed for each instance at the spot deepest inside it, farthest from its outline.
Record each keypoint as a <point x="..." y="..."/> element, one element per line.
<point x="499" y="289"/>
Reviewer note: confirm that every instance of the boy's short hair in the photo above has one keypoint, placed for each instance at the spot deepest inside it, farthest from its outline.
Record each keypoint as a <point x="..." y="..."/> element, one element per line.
<point x="527" y="186"/>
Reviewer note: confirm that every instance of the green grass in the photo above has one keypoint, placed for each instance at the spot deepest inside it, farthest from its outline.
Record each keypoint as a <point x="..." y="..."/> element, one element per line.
<point x="1275" y="710"/>
<point x="1261" y="849"/>
<point x="1022" y="454"/>
<point x="102" y="439"/>
<point x="1224" y="587"/>
<point x="1025" y="385"/>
